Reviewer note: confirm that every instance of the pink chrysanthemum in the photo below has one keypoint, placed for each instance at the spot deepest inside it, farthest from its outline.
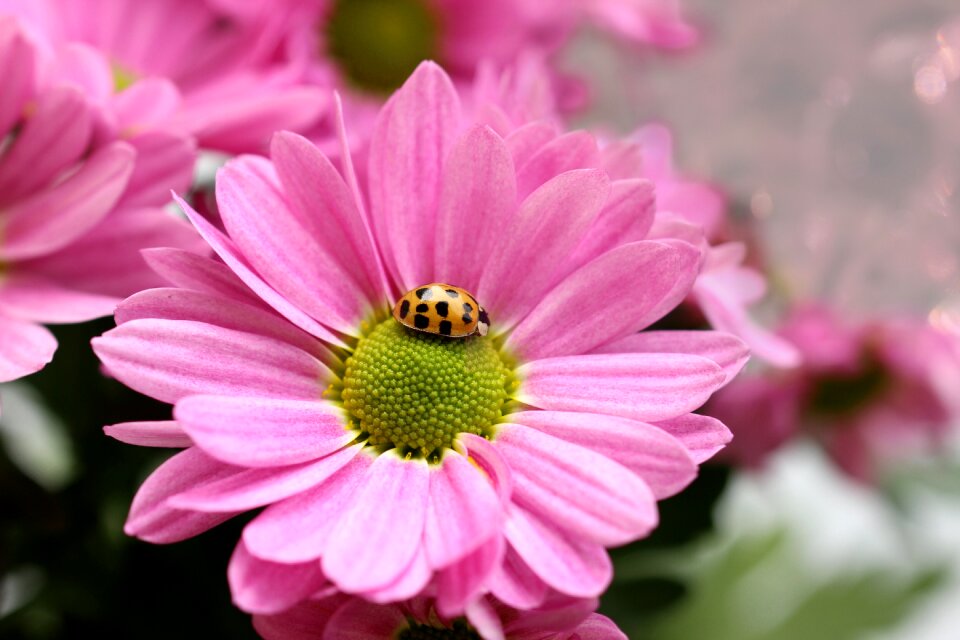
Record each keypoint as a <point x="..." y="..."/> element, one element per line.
<point x="78" y="196"/>
<point x="233" y="96"/>
<point x="388" y="458"/>
<point x="340" y="616"/>
<point x="869" y="392"/>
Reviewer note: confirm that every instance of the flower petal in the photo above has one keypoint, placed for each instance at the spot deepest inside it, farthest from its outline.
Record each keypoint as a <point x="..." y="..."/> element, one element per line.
<point x="463" y="581"/>
<point x="479" y="195"/>
<point x="304" y="621"/>
<point x="573" y="567"/>
<point x="268" y="588"/>
<point x="17" y="68"/>
<point x="463" y="512"/>
<point x="164" y="162"/>
<point x="593" y="306"/>
<point x="380" y="535"/>
<point x="25" y="347"/>
<point x="171" y="359"/>
<point x="651" y="453"/>
<point x="282" y="249"/>
<point x="483" y="617"/>
<point x="574" y="150"/>
<point x="334" y="221"/>
<point x="642" y="386"/>
<point x="40" y="300"/>
<point x="262" y="432"/>
<point x="411" y="581"/>
<point x="515" y="584"/>
<point x="361" y="620"/>
<point x="198" y="273"/>
<point x="297" y="529"/>
<point x="410" y="143"/>
<point x="703" y="436"/>
<point x="55" y="217"/>
<point x="160" y="433"/>
<point x="728" y="351"/>
<point x="579" y="490"/>
<point x="545" y="229"/>
<point x="256" y="487"/>
<point x="231" y="255"/>
<point x="154" y="520"/>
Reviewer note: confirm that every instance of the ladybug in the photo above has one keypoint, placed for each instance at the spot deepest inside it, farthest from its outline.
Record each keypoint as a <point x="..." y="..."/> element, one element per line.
<point x="442" y="309"/>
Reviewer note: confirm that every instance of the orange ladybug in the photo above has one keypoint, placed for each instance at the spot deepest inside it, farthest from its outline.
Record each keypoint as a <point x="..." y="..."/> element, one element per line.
<point x="442" y="309"/>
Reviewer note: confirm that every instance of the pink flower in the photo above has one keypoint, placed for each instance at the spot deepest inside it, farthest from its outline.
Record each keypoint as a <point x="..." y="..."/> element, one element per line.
<point x="870" y="392"/>
<point x="388" y="459"/>
<point x="234" y="97"/>
<point x="78" y="202"/>
<point x="726" y="286"/>
<point x="340" y="616"/>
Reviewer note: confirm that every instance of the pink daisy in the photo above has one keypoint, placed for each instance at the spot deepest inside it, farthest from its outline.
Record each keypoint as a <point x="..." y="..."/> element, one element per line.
<point x="389" y="458"/>
<point x="870" y="392"/>
<point x="234" y="97"/>
<point x="78" y="201"/>
<point x="341" y="616"/>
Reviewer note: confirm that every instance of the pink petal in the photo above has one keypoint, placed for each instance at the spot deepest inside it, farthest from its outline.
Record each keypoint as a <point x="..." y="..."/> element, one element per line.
<point x="164" y="163"/>
<point x="50" y="140"/>
<point x="256" y="487"/>
<point x="171" y="359"/>
<point x="516" y="585"/>
<point x="558" y="614"/>
<point x="525" y="141"/>
<point x="17" y="68"/>
<point x="334" y="221"/>
<point x="573" y="567"/>
<point x="605" y="308"/>
<point x="214" y="309"/>
<point x="728" y="351"/>
<point x="197" y="273"/>
<point x="598" y="627"/>
<point x="360" y="620"/>
<point x="703" y="436"/>
<point x="282" y="249"/>
<point x="651" y="453"/>
<point x="411" y="140"/>
<point x="483" y="617"/>
<point x="229" y="253"/>
<point x="154" y="520"/>
<point x="304" y="621"/>
<point x="411" y="581"/>
<point x="25" y="347"/>
<point x="160" y="433"/>
<point x="268" y="588"/>
<point x="380" y="535"/>
<point x="574" y="150"/>
<point x="147" y="104"/>
<point x="107" y="259"/>
<point x="484" y="454"/>
<point x="297" y="529"/>
<point x="574" y="488"/>
<point x="40" y="300"/>
<point x="463" y="511"/>
<point x="478" y="197"/>
<point x="642" y="386"/>
<point x="53" y="218"/>
<point x="463" y="581"/>
<point x="546" y="228"/>
<point x="626" y="217"/>
<point x="263" y="432"/>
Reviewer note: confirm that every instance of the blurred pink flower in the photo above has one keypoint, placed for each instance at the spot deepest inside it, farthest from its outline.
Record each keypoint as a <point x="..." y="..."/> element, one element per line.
<point x="234" y="95"/>
<point x="283" y="367"/>
<point x="80" y="185"/>
<point x="340" y="616"/>
<point x="869" y="392"/>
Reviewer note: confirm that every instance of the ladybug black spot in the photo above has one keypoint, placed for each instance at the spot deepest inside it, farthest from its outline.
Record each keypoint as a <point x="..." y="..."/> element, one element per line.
<point x="424" y="293"/>
<point x="453" y="293"/>
<point x="467" y="318"/>
<point x="467" y="307"/>
<point x="423" y="308"/>
<point x="421" y="322"/>
<point x="445" y="327"/>
<point x="404" y="308"/>
<point x="442" y="309"/>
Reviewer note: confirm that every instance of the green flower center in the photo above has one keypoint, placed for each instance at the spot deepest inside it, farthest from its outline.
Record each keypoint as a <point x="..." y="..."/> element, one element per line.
<point x="460" y="630"/>
<point x="122" y="78"/>
<point x="416" y="391"/>
<point x="379" y="43"/>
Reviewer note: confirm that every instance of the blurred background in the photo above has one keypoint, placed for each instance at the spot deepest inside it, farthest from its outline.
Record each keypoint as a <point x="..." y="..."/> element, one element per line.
<point x="833" y="128"/>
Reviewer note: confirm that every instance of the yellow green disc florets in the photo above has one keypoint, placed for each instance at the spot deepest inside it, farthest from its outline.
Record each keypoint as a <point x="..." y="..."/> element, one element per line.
<point x="416" y="392"/>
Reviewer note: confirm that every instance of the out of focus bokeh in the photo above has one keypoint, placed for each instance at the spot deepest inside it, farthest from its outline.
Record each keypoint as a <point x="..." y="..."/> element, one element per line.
<point x="834" y="130"/>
